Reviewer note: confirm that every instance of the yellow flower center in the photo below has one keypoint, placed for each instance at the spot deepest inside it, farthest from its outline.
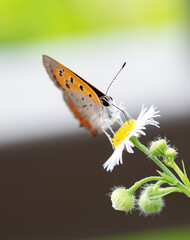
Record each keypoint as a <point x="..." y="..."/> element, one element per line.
<point x="123" y="132"/>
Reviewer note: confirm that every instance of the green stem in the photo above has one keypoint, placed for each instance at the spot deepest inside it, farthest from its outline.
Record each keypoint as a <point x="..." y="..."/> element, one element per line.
<point x="142" y="181"/>
<point x="181" y="175"/>
<point x="159" y="183"/>
<point x="144" y="149"/>
<point x="169" y="189"/>
<point x="162" y="192"/>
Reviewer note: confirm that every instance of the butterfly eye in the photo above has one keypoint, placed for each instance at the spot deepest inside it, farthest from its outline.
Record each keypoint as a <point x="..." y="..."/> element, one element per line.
<point x="105" y="102"/>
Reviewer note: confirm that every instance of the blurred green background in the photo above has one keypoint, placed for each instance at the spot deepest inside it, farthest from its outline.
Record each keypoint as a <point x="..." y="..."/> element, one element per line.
<point x="40" y="174"/>
<point x="164" y="234"/>
<point x="31" y="20"/>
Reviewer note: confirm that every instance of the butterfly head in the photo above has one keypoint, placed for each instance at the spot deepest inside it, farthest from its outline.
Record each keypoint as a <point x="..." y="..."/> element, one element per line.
<point x="110" y="112"/>
<point x="106" y="101"/>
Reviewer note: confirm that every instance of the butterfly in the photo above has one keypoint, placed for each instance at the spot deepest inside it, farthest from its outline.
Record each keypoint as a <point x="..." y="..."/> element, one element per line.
<point x="95" y="110"/>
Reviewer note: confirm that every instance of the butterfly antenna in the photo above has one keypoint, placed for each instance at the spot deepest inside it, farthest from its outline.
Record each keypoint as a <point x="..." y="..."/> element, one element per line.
<point x="115" y="78"/>
<point x="124" y="113"/>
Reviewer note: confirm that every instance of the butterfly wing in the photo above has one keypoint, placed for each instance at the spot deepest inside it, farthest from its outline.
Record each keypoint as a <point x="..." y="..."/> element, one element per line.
<point x="81" y="97"/>
<point x="86" y="110"/>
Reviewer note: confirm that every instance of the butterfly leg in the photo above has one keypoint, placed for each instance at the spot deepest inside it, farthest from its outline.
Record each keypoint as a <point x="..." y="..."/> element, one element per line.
<point x="111" y="130"/>
<point x="126" y="114"/>
<point x="120" y="122"/>
<point x="107" y="135"/>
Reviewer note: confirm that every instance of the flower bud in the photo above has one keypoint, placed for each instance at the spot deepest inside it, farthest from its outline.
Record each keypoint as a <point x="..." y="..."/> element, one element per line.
<point x="147" y="205"/>
<point x="122" y="200"/>
<point x="158" y="147"/>
<point x="170" y="152"/>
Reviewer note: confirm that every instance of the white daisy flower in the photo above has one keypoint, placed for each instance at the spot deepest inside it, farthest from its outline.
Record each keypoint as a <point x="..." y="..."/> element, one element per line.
<point x="130" y="128"/>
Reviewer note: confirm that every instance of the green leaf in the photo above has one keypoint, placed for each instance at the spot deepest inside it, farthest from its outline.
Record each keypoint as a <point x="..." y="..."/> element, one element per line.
<point x="184" y="168"/>
<point x="168" y="179"/>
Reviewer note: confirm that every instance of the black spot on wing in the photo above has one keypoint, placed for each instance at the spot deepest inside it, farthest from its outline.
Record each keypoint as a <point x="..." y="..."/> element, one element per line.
<point x="71" y="80"/>
<point x="67" y="85"/>
<point x="98" y="92"/>
<point x="57" y="83"/>
<point x="81" y="87"/>
<point x="60" y="73"/>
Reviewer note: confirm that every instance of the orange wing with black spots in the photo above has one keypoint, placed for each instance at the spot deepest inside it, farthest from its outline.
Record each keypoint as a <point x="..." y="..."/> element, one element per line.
<point x="81" y="97"/>
<point x="66" y="79"/>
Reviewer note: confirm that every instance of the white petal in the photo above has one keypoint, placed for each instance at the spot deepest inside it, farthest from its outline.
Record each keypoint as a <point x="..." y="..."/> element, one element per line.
<point x="141" y="132"/>
<point x="115" y="158"/>
<point x="145" y="118"/>
<point x="129" y="145"/>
